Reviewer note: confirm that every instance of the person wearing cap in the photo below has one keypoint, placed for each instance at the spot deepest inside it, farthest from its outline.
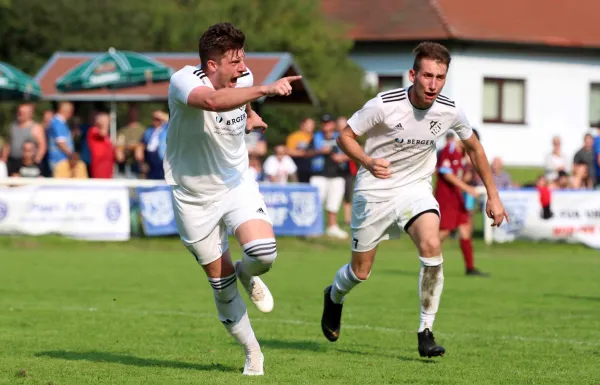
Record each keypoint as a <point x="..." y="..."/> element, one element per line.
<point x="328" y="169"/>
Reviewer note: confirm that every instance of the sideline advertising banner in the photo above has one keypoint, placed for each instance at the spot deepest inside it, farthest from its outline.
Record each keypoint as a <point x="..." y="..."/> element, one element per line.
<point x="84" y="212"/>
<point x="571" y="216"/>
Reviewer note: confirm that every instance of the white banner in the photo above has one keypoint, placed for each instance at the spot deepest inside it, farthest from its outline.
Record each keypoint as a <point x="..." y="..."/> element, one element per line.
<point x="574" y="216"/>
<point x="83" y="212"/>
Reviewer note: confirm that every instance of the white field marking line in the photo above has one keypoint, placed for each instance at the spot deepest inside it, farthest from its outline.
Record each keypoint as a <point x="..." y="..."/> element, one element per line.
<point x="380" y="329"/>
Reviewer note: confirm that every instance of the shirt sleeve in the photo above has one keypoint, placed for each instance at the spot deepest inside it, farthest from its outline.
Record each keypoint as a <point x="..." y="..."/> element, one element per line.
<point x="369" y="116"/>
<point x="461" y="126"/>
<point x="445" y="163"/>
<point x="270" y="166"/>
<point x="182" y="84"/>
<point x="60" y="131"/>
<point x="290" y="165"/>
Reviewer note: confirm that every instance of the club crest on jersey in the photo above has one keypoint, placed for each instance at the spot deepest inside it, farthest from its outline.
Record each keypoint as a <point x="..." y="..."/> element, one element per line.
<point x="399" y="140"/>
<point x="435" y="127"/>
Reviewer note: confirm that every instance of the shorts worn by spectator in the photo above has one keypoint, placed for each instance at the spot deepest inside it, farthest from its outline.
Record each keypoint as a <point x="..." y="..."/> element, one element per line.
<point x="73" y="168"/>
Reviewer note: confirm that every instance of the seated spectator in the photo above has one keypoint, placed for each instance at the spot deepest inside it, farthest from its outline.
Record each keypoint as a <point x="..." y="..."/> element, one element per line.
<point x="26" y="167"/>
<point x="150" y="151"/>
<point x="73" y="168"/>
<point x="555" y="161"/>
<point x="562" y="182"/>
<point x="255" y="171"/>
<point x="584" y="166"/>
<point x="101" y="148"/>
<point x="297" y="145"/>
<point x="24" y="128"/>
<point x="279" y="167"/>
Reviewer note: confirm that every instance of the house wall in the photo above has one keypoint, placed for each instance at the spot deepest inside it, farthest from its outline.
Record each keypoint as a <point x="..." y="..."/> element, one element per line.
<point x="557" y="88"/>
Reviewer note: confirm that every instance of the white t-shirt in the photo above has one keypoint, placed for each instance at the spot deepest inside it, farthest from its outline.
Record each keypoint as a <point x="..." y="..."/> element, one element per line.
<point x="206" y="152"/>
<point x="404" y="135"/>
<point x="280" y="169"/>
<point x="554" y="163"/>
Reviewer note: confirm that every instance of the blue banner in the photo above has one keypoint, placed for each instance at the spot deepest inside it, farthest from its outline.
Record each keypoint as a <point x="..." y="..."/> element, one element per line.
<point x="157" y="211"/>
<point x="294" y="209"/>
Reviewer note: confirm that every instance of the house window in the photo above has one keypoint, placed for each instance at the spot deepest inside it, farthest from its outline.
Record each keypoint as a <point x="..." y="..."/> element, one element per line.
<point x="503" y="101"/>
<point x="595" y="105"/>
<point x="390" y="82"/>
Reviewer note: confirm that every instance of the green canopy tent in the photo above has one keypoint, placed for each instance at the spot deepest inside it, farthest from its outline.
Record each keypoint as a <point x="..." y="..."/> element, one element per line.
<point x="114" y="70"/>
<point x="17" y="85"/>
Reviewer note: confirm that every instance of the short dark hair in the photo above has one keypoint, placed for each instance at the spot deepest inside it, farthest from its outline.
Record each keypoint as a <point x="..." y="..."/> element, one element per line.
<point x="430" y="50"/>
<point x="219" y="39"/>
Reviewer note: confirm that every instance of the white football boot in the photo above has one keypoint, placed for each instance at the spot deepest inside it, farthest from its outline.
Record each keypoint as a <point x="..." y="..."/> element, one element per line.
<point x="254" y="364"/>
<point x="257" y="290"/>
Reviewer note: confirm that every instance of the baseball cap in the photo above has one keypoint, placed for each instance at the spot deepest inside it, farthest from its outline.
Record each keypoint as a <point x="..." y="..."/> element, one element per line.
<point x="326" y="118"/>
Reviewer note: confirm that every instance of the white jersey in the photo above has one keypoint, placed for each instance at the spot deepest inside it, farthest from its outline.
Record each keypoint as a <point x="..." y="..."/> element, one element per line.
<point x="404" y="135"/>
<point x="206" y="152"/>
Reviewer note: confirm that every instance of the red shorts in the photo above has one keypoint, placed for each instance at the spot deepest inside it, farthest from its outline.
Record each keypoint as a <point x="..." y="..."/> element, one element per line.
<point x="452" y="216"/>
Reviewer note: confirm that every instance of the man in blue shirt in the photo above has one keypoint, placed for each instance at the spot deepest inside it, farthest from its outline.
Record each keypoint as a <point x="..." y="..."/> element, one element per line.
<point x="60" y="141"/>
<point x="152" y="147"/>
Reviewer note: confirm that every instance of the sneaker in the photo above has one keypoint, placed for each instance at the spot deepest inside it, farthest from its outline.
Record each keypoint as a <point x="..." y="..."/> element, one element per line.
<point x="254" y="364"/>
<point x="427" y="346"/>
<point x="336" y="232"/>
<point x="257" y="290"/>
<point x="476" y="272"/>
<point x="332" y="317"/>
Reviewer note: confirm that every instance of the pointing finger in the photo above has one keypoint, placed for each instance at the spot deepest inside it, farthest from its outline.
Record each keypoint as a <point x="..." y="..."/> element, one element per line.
<point x="293" y="78"/>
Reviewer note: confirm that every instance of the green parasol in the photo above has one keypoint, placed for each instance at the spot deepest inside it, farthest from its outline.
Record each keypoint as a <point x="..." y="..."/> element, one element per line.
<point x="17" y="85"/>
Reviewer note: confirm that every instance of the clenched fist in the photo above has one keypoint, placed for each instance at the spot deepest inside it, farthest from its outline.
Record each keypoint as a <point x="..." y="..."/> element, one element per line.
<point x="380" y="168"/>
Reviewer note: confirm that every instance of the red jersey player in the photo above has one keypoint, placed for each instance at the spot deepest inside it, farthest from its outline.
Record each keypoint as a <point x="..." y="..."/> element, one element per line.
<point x="449" y="192"/>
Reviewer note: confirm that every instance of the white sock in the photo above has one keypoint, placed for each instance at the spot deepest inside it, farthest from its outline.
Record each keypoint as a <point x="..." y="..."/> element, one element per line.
<point x="258" y="256"/>
<point x="232" y="312"/>
<point x="431" y="284"/>
<point x="344" y="281"/>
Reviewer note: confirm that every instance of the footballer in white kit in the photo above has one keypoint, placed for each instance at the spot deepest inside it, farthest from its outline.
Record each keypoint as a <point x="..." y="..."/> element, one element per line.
<point x="205" y="163"/>
<point x="393" y="192"/>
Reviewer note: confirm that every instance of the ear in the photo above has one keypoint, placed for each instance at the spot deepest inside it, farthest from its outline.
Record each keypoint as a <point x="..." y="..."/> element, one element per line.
<point x="412" y="75"/>
<point x="211" y="65"/>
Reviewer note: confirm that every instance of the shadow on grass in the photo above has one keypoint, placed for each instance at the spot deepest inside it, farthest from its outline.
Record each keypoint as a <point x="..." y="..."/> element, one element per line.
<point x="575" y="297"/>
<point x="313" y="346"/>
<point x="114" y="358"/>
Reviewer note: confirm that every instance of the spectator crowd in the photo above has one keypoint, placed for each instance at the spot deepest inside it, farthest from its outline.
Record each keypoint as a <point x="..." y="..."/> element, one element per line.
<point x="62" y="146"/>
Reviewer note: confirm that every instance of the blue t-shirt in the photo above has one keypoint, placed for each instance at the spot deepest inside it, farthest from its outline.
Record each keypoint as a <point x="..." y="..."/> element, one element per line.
<point x="58" y="129"/>
<point x="155" y="141"/>
<point x="596" y="153"/>
<point x="323" y="164"/>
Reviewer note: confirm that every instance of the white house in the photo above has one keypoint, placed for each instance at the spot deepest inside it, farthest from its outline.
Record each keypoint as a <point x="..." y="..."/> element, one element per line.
<point x="523" y="70"/>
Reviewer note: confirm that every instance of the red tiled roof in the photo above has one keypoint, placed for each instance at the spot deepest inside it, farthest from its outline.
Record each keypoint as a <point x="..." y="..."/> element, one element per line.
<point x="549" y="22"/>
<point x="266" y="67"/>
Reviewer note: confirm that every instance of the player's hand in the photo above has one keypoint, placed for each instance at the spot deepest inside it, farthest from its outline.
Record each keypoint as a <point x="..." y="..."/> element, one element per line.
<point x="254" y="121"/>
<point x="380" y="168"/>
<point x="281" y="87"/>
<point x="472" y="191"/>
<point x="495" y="210"/>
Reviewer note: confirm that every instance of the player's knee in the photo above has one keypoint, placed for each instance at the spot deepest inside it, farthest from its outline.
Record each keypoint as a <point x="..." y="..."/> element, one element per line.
<point x="430" y="246"/>
<point x="259" y="255"/>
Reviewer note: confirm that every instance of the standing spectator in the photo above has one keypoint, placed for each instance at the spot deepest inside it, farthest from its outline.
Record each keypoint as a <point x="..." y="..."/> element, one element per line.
<point x="279" y="167"/>
<point x="60" y="142"/>
<point x="341" y="123"/>
<point x="328" y="170"/>
<point x="555" y="161"/>
<point x="256" y="143"/>
<point x="26" y="167"/>
<point x="150" y="151"/>
<point x="584" y="164"/>
<point x="101" y="149"/>
<point x="501" y="177"/>
<point x="22" y="130"/>
<point x="297" y="145"/>
<point x="72" y="168"/>
<point x="127" y="142"/>
<point x="255" y="169"/>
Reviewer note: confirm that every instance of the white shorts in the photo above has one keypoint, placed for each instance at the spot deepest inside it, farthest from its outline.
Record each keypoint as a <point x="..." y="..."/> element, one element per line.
<point x="373" y="222"/>
<point x="331" y="191"/>
<point x="204" y="226"/>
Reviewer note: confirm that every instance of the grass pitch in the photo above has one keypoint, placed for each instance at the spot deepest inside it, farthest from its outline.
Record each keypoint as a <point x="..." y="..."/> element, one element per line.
<point x="141" y="312"/>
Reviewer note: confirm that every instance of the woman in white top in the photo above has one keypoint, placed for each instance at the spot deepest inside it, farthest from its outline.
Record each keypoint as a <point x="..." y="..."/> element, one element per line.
<point x="280" y="167"/>
<point x="555" y="161"/>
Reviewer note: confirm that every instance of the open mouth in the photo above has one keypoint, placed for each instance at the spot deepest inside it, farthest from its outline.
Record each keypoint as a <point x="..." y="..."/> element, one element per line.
<point x="430" y="95"/>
